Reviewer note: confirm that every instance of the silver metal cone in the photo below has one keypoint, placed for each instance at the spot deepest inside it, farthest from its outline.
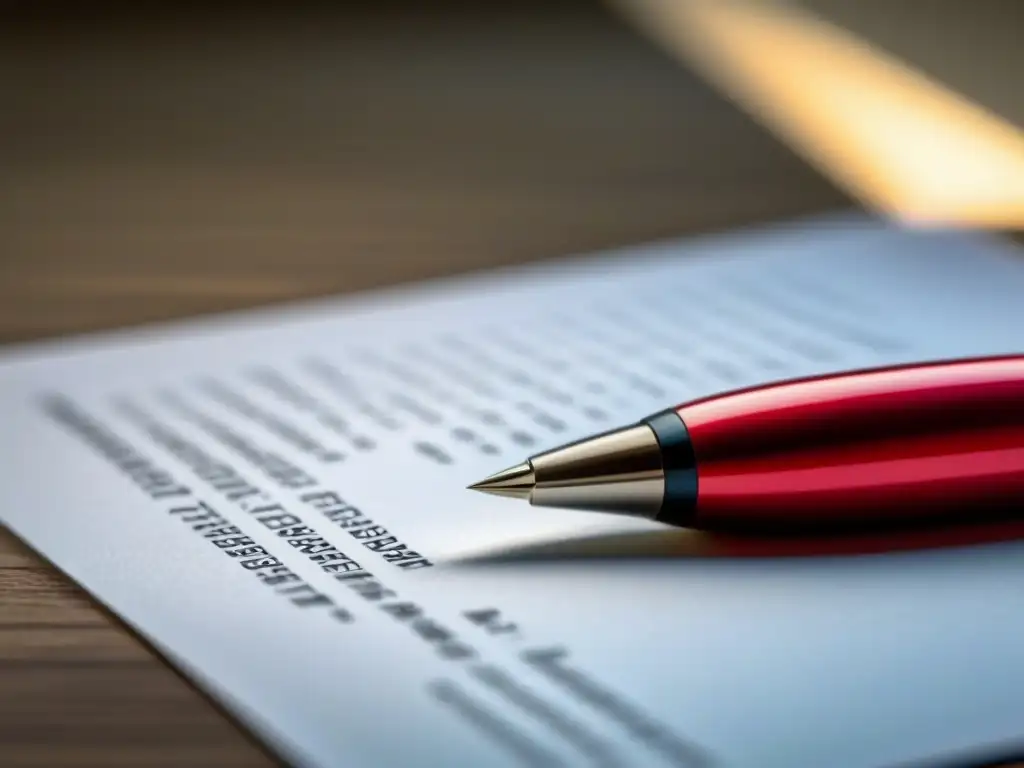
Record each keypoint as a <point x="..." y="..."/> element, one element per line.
<point x="516" y="482"/>
<point x="618" y="472"/>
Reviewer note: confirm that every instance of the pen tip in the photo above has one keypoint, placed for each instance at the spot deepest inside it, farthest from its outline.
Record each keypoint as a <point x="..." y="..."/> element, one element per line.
<point x="516" y="482"/>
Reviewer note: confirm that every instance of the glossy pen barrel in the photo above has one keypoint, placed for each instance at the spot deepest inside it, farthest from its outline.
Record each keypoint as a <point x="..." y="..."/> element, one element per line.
<point x="899" y="444"/>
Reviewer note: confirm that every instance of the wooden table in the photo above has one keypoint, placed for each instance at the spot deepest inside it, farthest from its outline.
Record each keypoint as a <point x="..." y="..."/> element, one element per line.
<point x="167" y="165"/>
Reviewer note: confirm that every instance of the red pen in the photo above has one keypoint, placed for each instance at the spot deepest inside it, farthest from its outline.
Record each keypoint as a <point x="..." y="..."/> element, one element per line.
<point x="908" y="444"/>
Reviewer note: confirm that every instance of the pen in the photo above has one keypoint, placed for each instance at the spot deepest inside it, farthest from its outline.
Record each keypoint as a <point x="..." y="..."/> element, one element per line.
<point x="905" y="445"/>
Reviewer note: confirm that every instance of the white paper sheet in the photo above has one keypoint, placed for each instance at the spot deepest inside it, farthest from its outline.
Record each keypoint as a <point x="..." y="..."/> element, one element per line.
<point x="271" y="498"/>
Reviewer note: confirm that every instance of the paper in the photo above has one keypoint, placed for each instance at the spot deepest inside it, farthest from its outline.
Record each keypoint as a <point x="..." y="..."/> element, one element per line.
<point x="272" y="498"/>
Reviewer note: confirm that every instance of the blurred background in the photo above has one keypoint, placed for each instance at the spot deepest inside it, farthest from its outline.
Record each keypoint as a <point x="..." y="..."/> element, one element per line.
<point x="164" y="159"/>
<point x="167" y="159"/>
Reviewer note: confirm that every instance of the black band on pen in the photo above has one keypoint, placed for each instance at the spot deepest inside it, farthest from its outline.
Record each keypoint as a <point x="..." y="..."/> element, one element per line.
<point x="679" y="504"/>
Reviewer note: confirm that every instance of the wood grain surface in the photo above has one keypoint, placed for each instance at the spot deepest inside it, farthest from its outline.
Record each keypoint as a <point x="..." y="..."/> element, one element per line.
<point x="159" y="165"/>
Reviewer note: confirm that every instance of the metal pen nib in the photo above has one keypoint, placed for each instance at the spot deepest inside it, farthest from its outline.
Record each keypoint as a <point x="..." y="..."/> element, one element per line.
<point x="619" y="471"/>
<point x="517" y="482"/>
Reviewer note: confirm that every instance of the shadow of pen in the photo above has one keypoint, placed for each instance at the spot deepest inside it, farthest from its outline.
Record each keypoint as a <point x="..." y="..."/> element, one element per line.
<point x="691" y="544"/>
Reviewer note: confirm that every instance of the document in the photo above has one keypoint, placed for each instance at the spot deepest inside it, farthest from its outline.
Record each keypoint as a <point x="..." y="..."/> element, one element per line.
<point x="276" y="500"/>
